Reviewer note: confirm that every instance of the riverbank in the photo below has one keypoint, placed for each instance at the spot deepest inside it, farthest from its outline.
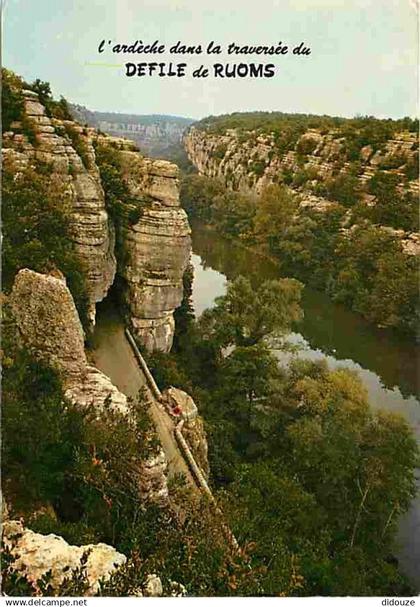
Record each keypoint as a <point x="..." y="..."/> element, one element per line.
<point x="336" y="250"/>
<point x="385" y="363"/>
<point x="263" y="253"/>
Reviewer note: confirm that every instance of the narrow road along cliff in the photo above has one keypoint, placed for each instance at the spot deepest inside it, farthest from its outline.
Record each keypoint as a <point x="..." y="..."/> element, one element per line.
<point x="113" y="356"/>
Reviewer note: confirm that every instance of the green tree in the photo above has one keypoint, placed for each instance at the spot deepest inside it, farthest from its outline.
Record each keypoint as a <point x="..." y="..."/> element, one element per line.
<point x="344" y="189"/>
<point x="11" y="98"/>
<point x="383" y="185"/>
<point x="248" y="378"/>
<point x="275" y="210"/>
<point x="375" y="277"/>
<point x="393" y="206"/>
<point x="197" y="195"/>
<point x="335" y="458"/>
<point x="245" y="315"/>
<point x="37" y="228"/>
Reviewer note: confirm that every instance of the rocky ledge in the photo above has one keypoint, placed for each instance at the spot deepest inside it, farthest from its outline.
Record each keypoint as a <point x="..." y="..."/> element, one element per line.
<point x="91" y="229"/>
<point x="49" y="327"/>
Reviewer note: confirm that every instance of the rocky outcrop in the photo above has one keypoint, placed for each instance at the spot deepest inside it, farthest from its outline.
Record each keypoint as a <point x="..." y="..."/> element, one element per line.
<point x="248" y="161"/>
<point x="54" y="143"/>
<point x="180" y="405"/>
<point x="196" y="437"/>
<point x="48" y="326"/>
<point x="155" y="135"/>
<point x="155" y="250"/>
<point x="35" y="554"/>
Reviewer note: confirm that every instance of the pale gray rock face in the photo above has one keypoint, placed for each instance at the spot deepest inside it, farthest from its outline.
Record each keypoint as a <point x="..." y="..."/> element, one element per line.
<point x="156" y="250"/>
<point x="37" y="554"/>
<point x="91" y="228"/>
<point x="48" y="326"/>
<point x="48" y="323"/>
<point x="235" y="166"/>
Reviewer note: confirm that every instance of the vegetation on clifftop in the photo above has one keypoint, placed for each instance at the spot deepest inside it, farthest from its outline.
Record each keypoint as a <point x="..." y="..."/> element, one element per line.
<point x="76" y="474"/>
<point x="12" y="99"/>
<point x="287" y="128"/>
<point x="357" y="262"/>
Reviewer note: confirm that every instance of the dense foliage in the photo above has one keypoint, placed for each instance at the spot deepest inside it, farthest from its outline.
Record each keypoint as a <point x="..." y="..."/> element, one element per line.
<point x="36" y="227"/>
<point x="354" y="260"/>
<point x="120" y="205"/>
<point x="287" y="129"/>
<point x="308" y="475"/>
<point x="12" y="101"/>
<point x="76" y="474"/>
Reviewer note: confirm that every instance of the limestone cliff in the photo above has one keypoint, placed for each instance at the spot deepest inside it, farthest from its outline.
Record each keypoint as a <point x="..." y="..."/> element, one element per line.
<point x="92" y="232"/>
<point x="248" y="161"/>
<point x="154" y="251"/>
<point x="49" y="327"/>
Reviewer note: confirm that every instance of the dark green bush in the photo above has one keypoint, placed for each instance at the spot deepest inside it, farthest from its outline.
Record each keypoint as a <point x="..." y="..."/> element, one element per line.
<point x="37" y="228"/>
<point x="306" y="145"/>
<point x="11" y="98"/>
<point x="78" y="144"/>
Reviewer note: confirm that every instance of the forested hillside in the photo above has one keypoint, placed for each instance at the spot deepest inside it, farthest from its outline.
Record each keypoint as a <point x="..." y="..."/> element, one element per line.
<point x="334" y="200"/>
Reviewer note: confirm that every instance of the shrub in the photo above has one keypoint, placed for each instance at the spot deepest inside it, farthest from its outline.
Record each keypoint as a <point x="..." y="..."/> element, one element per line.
<point x="37" y="228"/>
<point x="306" y="145"/>
<point x="78" y="144"/>
<point x="11" y="99"/>
<point x="411" y="169"/>
<point x="120" y="205"/>
<point x="220" y="151"/>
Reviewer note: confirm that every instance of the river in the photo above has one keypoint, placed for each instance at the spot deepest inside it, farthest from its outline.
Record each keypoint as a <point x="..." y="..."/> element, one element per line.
<point x="386" y="363"/>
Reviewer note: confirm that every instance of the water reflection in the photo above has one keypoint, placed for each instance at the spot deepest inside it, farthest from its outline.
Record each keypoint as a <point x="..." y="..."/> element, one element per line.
<point x="386" y="363"/>
<point x="327" y="327"/>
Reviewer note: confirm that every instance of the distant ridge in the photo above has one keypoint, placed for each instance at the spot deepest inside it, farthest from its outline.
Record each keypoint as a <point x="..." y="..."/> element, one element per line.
<point x="155" y="134"/>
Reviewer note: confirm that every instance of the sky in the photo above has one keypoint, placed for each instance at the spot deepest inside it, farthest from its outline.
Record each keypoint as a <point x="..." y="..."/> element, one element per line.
<point x="363" y="61"/>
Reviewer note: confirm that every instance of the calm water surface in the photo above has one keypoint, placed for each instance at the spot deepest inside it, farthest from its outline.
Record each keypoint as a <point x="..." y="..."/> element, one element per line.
<point x="387" y="364"/>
